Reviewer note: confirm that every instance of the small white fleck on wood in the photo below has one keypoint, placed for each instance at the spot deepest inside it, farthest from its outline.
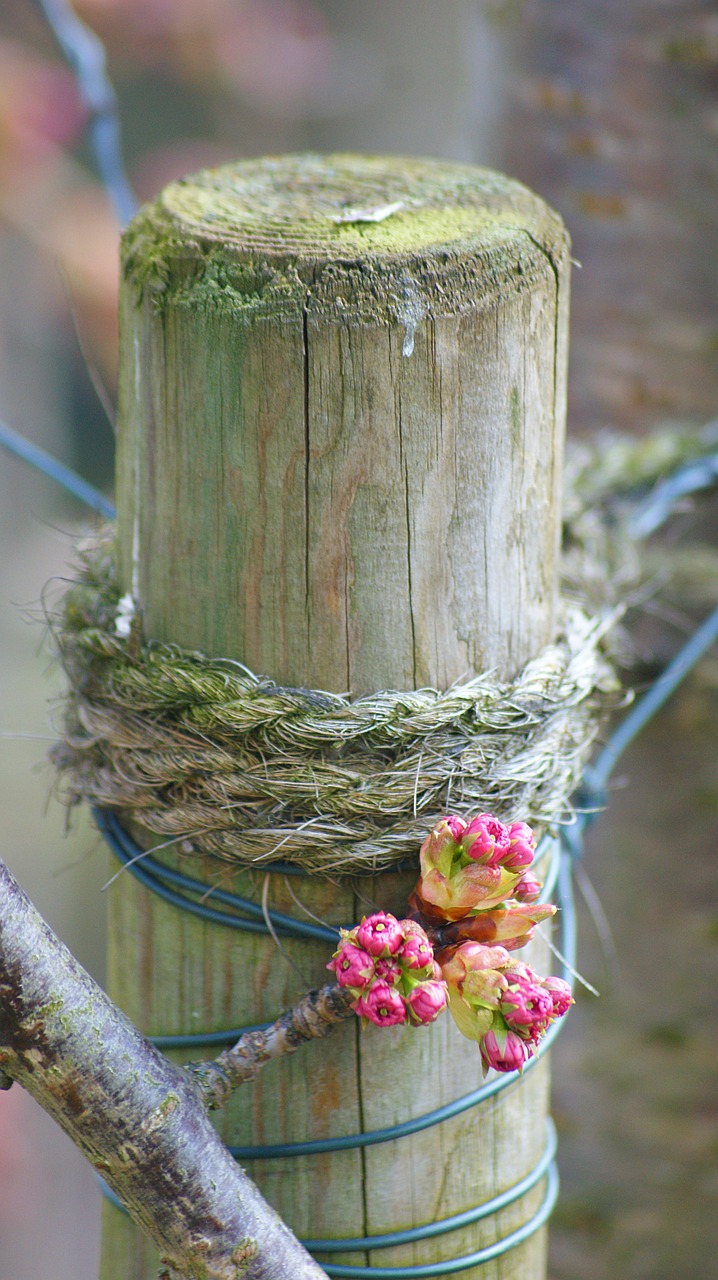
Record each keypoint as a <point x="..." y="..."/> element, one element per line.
<point x="411" y="311"/>
<point x="377" y="214"/>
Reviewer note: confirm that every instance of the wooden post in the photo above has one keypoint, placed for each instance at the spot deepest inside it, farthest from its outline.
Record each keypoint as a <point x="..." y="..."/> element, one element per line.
<point x="341" y="422"/>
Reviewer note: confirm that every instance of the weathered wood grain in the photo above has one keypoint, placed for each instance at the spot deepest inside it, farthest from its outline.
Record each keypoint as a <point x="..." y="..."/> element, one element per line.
<point x="339" y="460"/>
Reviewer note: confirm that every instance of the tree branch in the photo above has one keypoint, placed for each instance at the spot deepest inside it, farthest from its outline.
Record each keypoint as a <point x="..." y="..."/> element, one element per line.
<point x="312" y="1018"/>
<point x="141" y="1121"/>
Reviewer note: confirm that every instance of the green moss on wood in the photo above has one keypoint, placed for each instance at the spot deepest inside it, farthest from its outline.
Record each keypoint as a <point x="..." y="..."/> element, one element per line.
<point x="261" y="237"/>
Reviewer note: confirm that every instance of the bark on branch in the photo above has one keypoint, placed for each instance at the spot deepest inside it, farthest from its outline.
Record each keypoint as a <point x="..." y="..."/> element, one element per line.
<point x="141" y="1121"/>
<point x="311" y="1019"/>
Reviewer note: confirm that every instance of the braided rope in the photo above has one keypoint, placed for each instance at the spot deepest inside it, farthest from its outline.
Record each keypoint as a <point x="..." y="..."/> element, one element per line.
<point x="203" y="752"/>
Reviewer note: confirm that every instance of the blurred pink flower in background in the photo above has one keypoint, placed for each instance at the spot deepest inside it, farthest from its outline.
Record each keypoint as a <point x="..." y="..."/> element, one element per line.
<point x="17" y="1197"/>
<point x="39" y="110"/>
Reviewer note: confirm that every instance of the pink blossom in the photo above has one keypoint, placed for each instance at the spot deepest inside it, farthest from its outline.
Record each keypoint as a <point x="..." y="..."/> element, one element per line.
<point x="427" y="1001"/>
<point x="456" y="826"/>
<point x="383" y="1005"/>
<point x="527" y="1007"/>
<point x="388" y="968"/>
<point x="380" y="934"/>
<point x="459" y="963"/>
<point x="522" y="846"/>
<point x="560" y="994"/>
<point x="486" y="840"/>
<point x="417" y="951"/>
<point x="528" y="888"/>
<point x="353" y="967"/>
<point x="503" y="1050"/>
<point x="458" y="877"/>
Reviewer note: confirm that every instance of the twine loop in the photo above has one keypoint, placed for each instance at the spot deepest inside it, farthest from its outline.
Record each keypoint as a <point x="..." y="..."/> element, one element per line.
<point x="205" y="754"/>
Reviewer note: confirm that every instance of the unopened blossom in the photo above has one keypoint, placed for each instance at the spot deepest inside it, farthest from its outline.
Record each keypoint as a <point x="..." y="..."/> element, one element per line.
<point x="491" y="991"/>
<point x="560" y="993"/>
<point x="528" y="888"/>
<point x="388" y="968"/>
<point x="416" y="951"/>
<point x="459" y="964"/>
<point x="522" y="846"/>
<point x="382" y="1004"/>
<point x="456" y="826"/>
<point x="467" y="867"/>
<point x="426" y="1001"/>
<point x="441" y="848"/>
<point x="399" y="980"/>
<point x="473" y="905"/>
<point x="486" y="840"/>
<point x="526" y="1006"/>
<point x="380" y="934"/>
<point x="503" y="1050"/>
<point x="353" y="966"/>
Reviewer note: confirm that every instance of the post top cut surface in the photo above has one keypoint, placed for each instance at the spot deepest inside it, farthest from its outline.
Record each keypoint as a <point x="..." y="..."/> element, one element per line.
<point x="306" y="232"/>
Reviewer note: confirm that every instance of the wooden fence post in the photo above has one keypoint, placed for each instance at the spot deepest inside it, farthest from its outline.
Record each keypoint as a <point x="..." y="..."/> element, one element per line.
<point x="340" y="440"/>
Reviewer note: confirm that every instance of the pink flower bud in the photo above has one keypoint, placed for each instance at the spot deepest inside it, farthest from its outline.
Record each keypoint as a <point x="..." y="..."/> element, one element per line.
<point x="388" y="968"/>
<point x="522" y="846"/>
<point x="411" y="926"/>
<point x="380" y="934"/>
<point x="353" y="967"/>
<point x="427" y="1001"/>
<point x="381" y="1004"/>
<point x="528" y="888"/>
<point x="527" y="1007"/>
<point x="417" y="952"/>
<point x="456" y="826"/>
<point x="486" y="840"/>
<point x="518" y="858"/>
<point x="560" y="994"/>
<point x="503" y="1050"/>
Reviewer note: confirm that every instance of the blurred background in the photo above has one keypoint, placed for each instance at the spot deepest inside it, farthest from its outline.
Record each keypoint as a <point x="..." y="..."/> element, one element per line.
<point x="610" y="111"/>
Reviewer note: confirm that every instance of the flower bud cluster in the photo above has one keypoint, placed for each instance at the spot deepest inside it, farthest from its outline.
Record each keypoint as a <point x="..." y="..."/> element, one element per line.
<point x="470" y="866"/>
<point x="500" y="1002"/>
<point x="388" y="965"/>
<point x="476" y="901"/>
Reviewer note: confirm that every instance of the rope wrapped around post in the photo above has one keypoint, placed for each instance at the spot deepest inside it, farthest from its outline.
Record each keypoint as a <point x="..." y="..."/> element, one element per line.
<point x="207" y="755"/>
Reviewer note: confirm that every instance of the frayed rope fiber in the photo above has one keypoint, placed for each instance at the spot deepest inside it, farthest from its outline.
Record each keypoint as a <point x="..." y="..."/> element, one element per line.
<point x="218" y="761"/>
<point x="207" y="755"/>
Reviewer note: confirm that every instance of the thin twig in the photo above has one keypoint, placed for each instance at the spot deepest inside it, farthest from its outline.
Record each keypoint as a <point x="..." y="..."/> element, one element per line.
<point x="311" y="1019"/>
